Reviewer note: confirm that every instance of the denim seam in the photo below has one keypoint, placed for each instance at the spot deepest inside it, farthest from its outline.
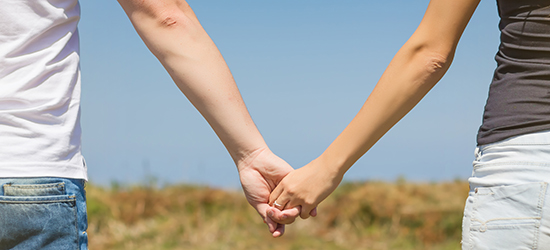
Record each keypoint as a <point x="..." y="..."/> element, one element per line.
<point x="472" y="216"/>
<point x="510" y="218"/>
<point x="35" y="186"/>
<point x="484" y="227"/>
<point x="483" y="148"/>
<point x="71" y="199"/>
<point x="75" y="214"/>
<point x="542" y="195"/>
<point x="540" y="164"/>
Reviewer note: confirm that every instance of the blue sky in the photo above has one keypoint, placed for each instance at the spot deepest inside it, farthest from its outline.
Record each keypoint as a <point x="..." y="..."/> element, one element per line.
<point x="304" y="69"/>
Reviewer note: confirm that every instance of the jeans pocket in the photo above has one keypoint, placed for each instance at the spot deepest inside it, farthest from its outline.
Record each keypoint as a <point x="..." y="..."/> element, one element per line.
<point x="38" y="216"/>
<point x="505" y="217"/>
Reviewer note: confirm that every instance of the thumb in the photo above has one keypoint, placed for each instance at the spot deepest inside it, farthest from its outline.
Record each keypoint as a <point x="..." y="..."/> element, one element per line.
<point x="262" y="210"/>
<point x="286" y="216"/>
<point x="307" y="210"/>
<point x="313" y="212"/>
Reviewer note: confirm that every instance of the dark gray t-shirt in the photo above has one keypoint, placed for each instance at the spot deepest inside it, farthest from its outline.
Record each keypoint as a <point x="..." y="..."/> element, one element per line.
<point x="519" y="96"/>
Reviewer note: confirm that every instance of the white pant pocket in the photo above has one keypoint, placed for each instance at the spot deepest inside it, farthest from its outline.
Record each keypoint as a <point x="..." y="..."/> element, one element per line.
<point x="504" y="217"/>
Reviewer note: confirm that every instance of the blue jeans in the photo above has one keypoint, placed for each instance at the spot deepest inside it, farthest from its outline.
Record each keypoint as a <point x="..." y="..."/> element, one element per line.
<point x="508" y="206"/>
<point x="43" y="213"/>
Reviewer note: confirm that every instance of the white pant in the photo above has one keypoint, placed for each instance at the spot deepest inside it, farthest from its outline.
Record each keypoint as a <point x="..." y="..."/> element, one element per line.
<point x="508" y="205"/>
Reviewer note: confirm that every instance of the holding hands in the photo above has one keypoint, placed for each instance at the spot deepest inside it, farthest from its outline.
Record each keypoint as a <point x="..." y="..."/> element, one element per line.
<point x="304" y="188"/>
<point x="260" y="172"/>
<point x="271" y="187"/>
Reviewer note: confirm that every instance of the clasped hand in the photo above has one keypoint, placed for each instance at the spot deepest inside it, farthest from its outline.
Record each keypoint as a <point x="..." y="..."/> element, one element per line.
<point x="281" y="194"/>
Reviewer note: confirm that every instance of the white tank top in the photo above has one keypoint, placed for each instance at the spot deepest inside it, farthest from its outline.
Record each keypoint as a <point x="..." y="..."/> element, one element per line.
<point x="40" y="89"/>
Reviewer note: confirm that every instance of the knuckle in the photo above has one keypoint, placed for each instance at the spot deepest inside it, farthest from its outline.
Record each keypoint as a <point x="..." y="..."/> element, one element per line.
<point x="291" y="192"/>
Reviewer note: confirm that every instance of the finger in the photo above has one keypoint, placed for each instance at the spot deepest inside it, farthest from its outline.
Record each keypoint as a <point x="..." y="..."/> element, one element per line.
<point x="306" y="210"/>
<point x="279" y="231"/>
<point x="275" y="194"/>
<point x="280" y="204"/>
<point x="275" y="215"/>
<point x="282" y="201"/>
<point x="272" y="225"/>
<point x="286" y="216"/>
<point x="263" y="210"/>
<point x="313" y="212"/>
<point x="289" y="215"/>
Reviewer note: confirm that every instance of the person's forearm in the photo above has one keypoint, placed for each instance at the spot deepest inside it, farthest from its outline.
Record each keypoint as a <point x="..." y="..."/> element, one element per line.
<point x="174" y="35"/>
<point x="414" y="70"/>
<point x="410" y="75"/>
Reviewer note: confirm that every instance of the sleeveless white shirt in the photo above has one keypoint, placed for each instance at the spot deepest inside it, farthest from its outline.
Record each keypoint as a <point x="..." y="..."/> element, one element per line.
<point x="40" y="89"/>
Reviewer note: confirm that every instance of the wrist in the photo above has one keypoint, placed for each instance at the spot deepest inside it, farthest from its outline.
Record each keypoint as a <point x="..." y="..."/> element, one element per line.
<point x="245" y="157"/>
<point x="335" y="166"/>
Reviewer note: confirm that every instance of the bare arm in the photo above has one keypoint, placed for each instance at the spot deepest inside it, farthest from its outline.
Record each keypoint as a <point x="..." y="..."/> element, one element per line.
<point x="412" y="73"/>
<point x="174" y="35"/>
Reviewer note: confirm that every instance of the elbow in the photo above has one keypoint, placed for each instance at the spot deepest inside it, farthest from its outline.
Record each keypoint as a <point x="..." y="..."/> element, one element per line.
<point x="428" y="64"/>
<point x="433" y="67"/>
<point x="164" y="14"/>
<point x="436" y="63"/>
<point x="172" y="18"/>
<point x="435" y="56"/>
<point x="169" y="20"/>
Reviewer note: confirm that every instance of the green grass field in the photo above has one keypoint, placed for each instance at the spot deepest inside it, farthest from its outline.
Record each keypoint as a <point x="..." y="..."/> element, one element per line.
<point x="369" y="215"/>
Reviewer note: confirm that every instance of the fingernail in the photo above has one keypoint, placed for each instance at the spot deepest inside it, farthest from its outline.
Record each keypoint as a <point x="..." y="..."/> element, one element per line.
<point x="270" y="213"/>
<point x="284" y="217"/>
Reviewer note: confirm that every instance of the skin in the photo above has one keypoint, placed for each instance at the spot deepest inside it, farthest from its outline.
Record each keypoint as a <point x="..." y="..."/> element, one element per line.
<point x="174" y="35"/>
<point x="411" y="74"/>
